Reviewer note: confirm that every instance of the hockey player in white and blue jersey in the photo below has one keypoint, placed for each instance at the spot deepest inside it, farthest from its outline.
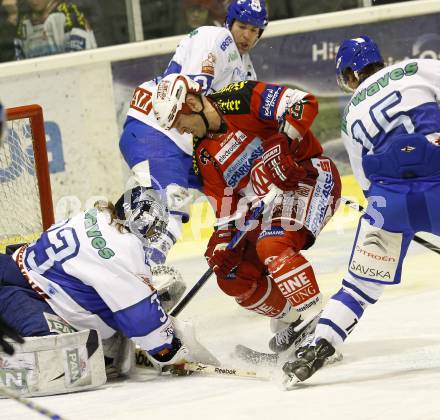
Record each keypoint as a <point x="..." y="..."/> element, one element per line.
<point x="91" y="272"/>
<point x="214" y="57"/>
<point x="391" y="130"/>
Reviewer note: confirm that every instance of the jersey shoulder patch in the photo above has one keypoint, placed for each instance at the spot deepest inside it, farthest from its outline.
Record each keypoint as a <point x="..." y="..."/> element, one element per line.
<point x="235" y="98"/>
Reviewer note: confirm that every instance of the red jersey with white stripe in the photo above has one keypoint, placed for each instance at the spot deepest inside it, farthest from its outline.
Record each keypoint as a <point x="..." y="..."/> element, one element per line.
<point x="229" y="161"/>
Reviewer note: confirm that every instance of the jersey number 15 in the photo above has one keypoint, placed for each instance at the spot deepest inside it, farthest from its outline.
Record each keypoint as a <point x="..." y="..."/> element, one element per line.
<point x="385" y="123"/>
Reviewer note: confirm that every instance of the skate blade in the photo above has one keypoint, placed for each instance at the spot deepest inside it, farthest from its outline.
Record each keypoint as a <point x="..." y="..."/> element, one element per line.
<point x="336" y="358"/>
<point x="290" y="382"/>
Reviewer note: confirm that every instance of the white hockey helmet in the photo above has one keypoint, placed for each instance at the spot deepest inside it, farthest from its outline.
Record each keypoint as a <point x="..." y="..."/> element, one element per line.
<point x="170" y="96"/>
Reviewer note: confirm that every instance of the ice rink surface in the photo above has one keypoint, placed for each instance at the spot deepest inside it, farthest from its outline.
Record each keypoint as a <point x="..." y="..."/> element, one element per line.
<point x="391" y="366"/>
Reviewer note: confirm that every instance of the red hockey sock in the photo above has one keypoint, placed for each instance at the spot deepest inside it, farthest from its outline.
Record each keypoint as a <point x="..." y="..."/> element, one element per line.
<point x="295" y="278"/>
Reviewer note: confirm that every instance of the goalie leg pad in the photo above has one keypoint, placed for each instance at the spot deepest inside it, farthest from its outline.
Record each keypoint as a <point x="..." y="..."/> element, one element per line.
<point x="55" y="364"/>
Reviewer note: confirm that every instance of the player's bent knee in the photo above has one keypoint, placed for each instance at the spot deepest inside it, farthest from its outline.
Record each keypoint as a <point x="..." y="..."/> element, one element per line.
<point x="265" y="298"/>
<point x="240" y="282"/>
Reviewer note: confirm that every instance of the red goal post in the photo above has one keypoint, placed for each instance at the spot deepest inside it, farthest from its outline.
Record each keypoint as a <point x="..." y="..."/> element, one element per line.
<point x="25" y="191"/>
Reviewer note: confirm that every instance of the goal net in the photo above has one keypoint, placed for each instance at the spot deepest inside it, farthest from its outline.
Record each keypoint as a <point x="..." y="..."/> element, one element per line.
<point x="26" y="199"/>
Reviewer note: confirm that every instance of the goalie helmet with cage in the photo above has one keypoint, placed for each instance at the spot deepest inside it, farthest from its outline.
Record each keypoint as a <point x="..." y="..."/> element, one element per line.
<point x="143" y="212"/>
<point x="355" y="54"/>
<point x="251" y="12"/>
<point x="170" y="96"/>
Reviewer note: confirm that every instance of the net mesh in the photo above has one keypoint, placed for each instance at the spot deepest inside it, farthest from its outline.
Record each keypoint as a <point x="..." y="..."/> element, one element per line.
<point x="20" y="213"/>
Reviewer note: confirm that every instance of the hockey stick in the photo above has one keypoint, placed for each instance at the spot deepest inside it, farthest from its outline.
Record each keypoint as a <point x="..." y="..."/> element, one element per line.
<point x="29" y="404"/>
<point x="221" y="371"/>
<point x="234" y="241"/>
<point x="143" y="362"/>
<point x="418" y="239"/>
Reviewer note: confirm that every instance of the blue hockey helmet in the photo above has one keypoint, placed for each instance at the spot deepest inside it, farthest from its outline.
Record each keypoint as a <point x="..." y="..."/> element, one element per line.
<point x="251" y="12"/>
<point x="143" y="212"/>
<point x="355" y="54"/>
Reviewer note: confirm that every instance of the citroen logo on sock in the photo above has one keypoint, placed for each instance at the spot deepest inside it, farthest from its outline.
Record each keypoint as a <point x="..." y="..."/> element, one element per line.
<point x="376" y="239"/>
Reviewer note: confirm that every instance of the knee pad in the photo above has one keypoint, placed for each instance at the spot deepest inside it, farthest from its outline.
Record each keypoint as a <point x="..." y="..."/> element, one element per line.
<point x="266" y="299"/>
<point x="243" y="281"/>
<point x="255" y="291"/>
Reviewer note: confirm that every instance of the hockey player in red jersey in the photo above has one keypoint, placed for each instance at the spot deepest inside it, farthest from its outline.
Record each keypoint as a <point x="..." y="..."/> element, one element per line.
<point x="252" y="136"/>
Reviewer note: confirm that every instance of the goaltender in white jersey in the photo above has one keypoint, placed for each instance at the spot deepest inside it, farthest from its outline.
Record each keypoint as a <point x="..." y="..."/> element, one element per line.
<point x="90" y="273"/>
<point x="214" y="57"/>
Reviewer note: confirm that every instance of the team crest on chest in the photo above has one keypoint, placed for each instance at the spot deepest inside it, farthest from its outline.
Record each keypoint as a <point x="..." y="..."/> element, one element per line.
<point x="259" y="180"/>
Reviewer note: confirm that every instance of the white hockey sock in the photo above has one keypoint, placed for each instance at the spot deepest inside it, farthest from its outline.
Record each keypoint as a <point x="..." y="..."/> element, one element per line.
<point x="344" y="309"/>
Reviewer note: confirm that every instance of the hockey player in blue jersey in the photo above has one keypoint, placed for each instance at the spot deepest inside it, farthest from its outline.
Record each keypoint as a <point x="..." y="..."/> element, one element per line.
<point x="391" y="130"/>
<point x="214" y="57"/>
<point x="90" y="272"/>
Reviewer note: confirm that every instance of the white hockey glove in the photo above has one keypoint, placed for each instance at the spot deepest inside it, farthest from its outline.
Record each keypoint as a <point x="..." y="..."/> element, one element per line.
<point x="171" y="360"/>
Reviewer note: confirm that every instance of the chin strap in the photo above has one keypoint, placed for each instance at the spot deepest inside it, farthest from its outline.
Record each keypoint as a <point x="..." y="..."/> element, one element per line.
<point x="202" y="114"/>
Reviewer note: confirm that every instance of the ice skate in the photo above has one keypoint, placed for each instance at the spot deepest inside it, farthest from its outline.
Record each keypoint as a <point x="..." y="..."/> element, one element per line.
<point x="309" y="361"/>
<point x="293" y="334"/>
